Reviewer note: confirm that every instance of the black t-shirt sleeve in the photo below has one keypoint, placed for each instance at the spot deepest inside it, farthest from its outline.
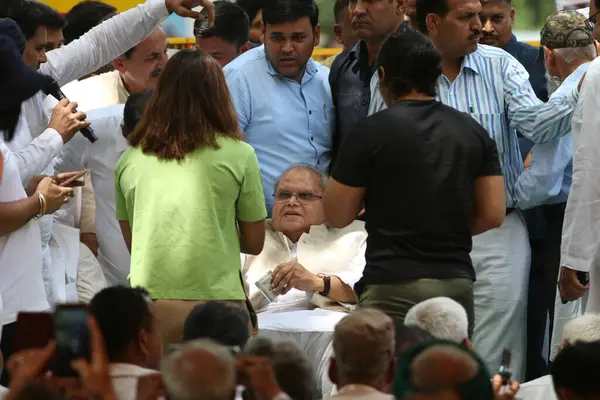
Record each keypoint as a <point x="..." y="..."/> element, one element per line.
<point x="490" y="165"/>
<point x="353" y="162"/>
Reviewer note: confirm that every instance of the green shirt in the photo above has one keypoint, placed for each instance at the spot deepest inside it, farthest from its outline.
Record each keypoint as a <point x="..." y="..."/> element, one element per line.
<point x="183" y="215"/>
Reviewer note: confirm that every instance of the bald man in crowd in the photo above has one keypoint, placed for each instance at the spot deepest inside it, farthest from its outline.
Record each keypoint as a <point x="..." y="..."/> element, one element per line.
<point x="364" y="345"/>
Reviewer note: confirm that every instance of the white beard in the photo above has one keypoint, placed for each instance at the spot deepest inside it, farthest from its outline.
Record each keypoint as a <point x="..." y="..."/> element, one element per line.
<point x="552" y="83"/>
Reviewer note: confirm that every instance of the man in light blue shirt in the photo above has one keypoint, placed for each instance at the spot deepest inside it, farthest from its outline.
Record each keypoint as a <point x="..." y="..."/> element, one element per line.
<point x="493" y="87"/>
<point x="282" y="97"/>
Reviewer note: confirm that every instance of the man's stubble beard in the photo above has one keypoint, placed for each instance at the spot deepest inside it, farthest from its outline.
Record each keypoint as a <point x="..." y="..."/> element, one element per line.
<point x="552" y="83"/>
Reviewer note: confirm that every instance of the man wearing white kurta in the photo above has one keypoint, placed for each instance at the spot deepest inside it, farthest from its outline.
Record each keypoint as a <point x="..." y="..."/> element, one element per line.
<point x="581" y="229"/>
<point x="101" y="158"/>
<point x="81" y="57"/>
<point x="136" y="70"/>
<point x="314" y="267"/>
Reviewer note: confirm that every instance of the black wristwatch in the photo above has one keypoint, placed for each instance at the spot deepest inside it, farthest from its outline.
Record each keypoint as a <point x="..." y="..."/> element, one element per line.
<point x="326" y="284"/>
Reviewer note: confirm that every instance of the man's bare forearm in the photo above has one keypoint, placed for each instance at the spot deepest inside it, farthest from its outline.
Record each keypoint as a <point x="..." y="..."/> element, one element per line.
<point x="15" y="214"/>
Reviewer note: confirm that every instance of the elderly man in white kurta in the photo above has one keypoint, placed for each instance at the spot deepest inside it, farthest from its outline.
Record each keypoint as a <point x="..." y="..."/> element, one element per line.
<point x="581" y="228"/>
<point x="315" y="268"/>
<point x="81" y="57"/>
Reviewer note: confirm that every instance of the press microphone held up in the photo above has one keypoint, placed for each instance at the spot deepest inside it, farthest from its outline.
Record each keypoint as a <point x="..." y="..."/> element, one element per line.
<point x="54" y="90"/>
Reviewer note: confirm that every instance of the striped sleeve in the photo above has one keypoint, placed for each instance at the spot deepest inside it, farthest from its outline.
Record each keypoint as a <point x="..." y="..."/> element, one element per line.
<point x="537" y="121"/>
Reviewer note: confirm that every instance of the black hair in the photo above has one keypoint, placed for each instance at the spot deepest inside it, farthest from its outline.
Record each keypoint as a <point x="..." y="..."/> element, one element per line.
<point x="121" y="312"/>
<point x="281" y="11"/>
<point x="9" y="119"/>
<point x="575" y="369"/>
<point x="134" y="109"/>
<point x="410" y="336"/>
<point x="338" y="10"/>
<point x="231" y="24"/>
<point x="31" y="15"/>
<point x="411" y="63"/>
<point x="252" y="7"/>
<point x="223" y="322"/>
<point x="426" y="7"/>
<point x="597" y="4"/>
<point x="84" y="16"/>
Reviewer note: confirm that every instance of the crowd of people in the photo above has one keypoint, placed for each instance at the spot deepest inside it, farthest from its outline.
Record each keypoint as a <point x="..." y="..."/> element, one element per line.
<point x="413" y="218"/>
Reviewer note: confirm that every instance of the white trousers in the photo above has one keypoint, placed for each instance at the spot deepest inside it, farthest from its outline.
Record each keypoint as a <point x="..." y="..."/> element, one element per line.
<point x="501" y="258"/>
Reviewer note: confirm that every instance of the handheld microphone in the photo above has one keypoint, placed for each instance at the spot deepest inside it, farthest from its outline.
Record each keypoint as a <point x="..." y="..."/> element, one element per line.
<point x="54" y="90"/>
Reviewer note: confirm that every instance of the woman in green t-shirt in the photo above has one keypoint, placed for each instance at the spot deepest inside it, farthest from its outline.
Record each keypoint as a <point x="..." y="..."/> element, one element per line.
<point x="188" y="193"/>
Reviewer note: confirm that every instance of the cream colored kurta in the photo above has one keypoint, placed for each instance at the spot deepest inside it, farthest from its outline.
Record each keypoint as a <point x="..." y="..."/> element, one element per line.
<point x="339" y="252"/>
<point x="97" y="91"/>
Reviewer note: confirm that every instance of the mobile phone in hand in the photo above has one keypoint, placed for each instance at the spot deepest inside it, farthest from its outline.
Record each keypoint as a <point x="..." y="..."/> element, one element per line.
<point x="583" y="277"/>
<point x="72" y="337"/>
<point x="504" y="370"/>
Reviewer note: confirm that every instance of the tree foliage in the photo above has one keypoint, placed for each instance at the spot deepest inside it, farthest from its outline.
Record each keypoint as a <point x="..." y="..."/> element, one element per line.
<point x="531" y="14"/>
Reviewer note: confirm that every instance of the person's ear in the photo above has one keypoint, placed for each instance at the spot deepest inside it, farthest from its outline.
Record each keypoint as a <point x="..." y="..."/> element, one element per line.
<point x="339" y="32"/>
<point x="597" y="44"/>
<point x="432" y="21"/>
<point x="119" y="64"/>
<point x="550" y="57"/>
<point x="317" y="35"/>
<point x="263" y="29"/>
<point x="245" y="47"/>
<point x="381" y="75"/>
<point x="124" y="131"/>
<point x="332" y="372"/>
<point x="401" y="7"/>
<point x="512" y="16"/>
<point x="391" y="373"/>
<point x="144" y="343"/>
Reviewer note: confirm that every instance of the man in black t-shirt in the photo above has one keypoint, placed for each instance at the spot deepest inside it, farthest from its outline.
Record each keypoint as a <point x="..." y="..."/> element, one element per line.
<point x="430" y="178"/>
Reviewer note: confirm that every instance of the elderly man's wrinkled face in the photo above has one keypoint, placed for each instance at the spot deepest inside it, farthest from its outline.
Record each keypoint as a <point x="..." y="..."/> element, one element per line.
<point x="298" y="202"/>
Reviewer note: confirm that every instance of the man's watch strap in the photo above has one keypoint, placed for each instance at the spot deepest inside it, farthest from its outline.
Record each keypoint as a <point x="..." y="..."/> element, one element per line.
<point x="326" y="284"/>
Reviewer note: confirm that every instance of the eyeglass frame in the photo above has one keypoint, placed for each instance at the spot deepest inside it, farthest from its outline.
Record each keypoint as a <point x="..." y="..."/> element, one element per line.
<point x="313" y="197"/>
<point x="590" y="23"/>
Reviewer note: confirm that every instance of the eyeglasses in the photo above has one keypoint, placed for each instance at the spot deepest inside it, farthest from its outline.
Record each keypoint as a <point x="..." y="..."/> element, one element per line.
<point x="303" y="197"/>
<point x="590" y="23"/>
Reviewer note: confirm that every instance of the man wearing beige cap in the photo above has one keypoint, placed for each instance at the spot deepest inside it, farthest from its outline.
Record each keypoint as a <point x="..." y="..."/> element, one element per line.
<point x="567" y="48"/>
<point x="364" y="363"/>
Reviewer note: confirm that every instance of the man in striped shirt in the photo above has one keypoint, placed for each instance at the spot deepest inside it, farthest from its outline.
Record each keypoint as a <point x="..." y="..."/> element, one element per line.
<point x="493" y="87"/>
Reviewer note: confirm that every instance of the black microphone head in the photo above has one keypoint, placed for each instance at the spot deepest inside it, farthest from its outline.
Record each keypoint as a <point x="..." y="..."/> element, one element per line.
<point x="52" y="87"/>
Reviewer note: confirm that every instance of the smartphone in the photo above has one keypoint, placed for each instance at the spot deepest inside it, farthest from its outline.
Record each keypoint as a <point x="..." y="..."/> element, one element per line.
<point x="504" y="370"/>
<point x="74" y="178"/>
<point x="72" y="337"/>
<point x="33" y="330"/>
<point x="583" y="277"/>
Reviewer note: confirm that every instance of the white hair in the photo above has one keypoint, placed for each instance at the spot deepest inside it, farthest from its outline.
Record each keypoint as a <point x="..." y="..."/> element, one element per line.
<point x="585" y="328"/>
<point x="571" y="55"/>
<point x="323" y="178"/>
<point x="184" y="378"/>
<point x="442" y="317"/>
